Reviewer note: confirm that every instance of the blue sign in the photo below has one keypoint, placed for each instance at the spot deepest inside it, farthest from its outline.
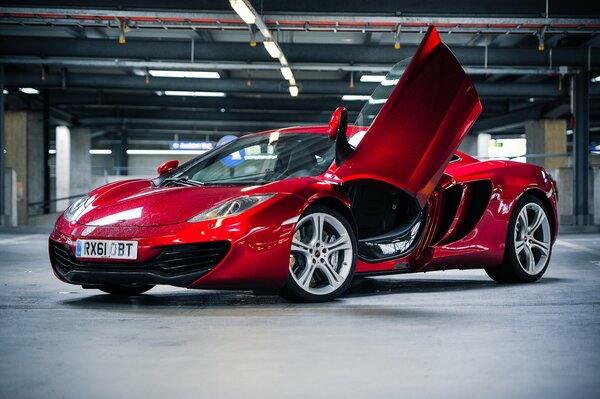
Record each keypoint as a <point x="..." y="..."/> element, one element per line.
<point x="235" y="158"/>
<point x="191" y="145"/>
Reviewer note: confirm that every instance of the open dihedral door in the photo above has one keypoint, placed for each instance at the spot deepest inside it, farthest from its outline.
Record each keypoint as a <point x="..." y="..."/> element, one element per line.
<point x="413" y="137"/>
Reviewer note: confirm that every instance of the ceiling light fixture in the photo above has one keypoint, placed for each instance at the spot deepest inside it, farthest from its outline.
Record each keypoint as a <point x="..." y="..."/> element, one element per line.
<point x="272" y="48"/>
<point x="29" y="90"/>
<point x="184" y="74"/>
<point x="355" y="97"/>
<point x="372" y="78"/>
<point x="294" y="91"/>
<point x="287" y="73"/>
<point x="194" y="93"/>
<point x="243" y="10"/>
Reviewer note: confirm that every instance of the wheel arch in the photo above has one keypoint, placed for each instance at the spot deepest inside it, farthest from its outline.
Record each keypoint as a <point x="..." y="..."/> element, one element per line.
<point x="539" y="194"/>
<point x="338" y="205"/>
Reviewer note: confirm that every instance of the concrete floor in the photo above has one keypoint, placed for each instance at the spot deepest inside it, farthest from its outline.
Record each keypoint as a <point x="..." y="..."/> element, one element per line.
<point x="452" y="335"/>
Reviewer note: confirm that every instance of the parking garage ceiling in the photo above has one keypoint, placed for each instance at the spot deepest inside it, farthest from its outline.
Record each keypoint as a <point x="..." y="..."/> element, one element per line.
<point x="96" y="63"/>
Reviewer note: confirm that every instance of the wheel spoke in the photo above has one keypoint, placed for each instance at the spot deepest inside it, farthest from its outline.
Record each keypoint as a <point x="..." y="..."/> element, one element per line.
<point x="306" y="277"/>
<point x="540" y="217"/>
<point x="540" y="246"/>
<point x="318" y="222"/>
<point x="524" y="219"/>
<point x="529" y="259"/>
<point x="519" y="245"/>
<point x="341" y="244"/>
<point x="332" y="276"/>
<point x="299" y="246"/>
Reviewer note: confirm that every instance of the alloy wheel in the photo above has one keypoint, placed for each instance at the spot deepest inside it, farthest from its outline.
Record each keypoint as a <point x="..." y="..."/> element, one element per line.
<point x="321" y="255"/>
<point x="532" y="238"/>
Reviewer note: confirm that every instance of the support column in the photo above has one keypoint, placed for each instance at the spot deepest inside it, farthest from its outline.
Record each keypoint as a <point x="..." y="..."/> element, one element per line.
<point x="469" y="145"/>
<point x="546" y="136"/>
<point x="476" y="145"/>
<point x="46" y="149"/>
<point x="580" y="106"/>
<point x="120" y="155"/>
<point x="483" y="145"/>
<point x="73" y="163"/>
<point x="2" y="149"/>
<point x="24" y="155"/>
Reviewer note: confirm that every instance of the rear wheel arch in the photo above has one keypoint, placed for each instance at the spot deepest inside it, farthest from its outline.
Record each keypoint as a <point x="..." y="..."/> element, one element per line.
<point x="539" y="194"/>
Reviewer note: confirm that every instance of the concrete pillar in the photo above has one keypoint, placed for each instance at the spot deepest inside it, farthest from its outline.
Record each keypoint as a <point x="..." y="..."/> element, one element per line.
<point x="483" y="145"/>
<point x="469" y="145"/>
<point x="3" y="189"/>
<point x="23" y="154"/>
<point x="580" y="105"/>
<point x="546" y="136"/>
<point x="73" y="163"/>
<point x="565" y="183"/>
<point x="476" y="145"/>
<point x="596" y="197"/>
<point x="120" y="156"/>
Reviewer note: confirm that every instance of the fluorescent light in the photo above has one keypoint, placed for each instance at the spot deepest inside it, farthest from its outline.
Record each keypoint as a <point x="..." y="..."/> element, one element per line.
<point x="596" y="79"/>
<point x="272" y="48"/>
<point x="194" y="93"/>
<point x="372" y="78"/>
<point x="29" y="90"/>
<point x="293" y="91"/>
<point x="100" y="152"/>
<point x="184" y="74"/>
<point x="92" y="152"/>
<point x="164" y="152"/>
<point x="243" y="10"/>
<point x="354" y="97"/>
<point x="287" y="73"/>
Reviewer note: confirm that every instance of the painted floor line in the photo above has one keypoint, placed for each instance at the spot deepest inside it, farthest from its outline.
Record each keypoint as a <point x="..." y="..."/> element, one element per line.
<point x="578" y="247"/>
<point x="17" y="239"/>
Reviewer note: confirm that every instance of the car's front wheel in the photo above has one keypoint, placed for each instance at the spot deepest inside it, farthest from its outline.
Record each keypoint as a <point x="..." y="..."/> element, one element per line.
<point x="528" y="244"/>
<point x="322" y="258"/>
<point x="125" y="290"/>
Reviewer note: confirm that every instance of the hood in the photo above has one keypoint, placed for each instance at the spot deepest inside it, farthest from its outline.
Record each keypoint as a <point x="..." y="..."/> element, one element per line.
<point x="138" y="203"/>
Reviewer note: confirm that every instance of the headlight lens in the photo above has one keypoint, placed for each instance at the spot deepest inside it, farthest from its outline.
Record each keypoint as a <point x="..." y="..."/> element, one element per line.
<point x="75" y="209"/>
<point x="231" y="208"/>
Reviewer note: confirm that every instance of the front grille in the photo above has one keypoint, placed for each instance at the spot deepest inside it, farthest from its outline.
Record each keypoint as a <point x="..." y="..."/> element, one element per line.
<point x="172" y="261"/>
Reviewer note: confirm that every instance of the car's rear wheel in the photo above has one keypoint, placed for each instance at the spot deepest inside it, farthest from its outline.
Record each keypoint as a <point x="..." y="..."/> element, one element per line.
<point x="528" y="244"/>
<point x="322" y="258"/>
<point x="125" y="290"/>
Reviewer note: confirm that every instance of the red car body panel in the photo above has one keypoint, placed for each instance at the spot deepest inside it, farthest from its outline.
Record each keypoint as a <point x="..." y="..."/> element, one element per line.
<point x="420" y="126"/>
<point x="409" y="145"/>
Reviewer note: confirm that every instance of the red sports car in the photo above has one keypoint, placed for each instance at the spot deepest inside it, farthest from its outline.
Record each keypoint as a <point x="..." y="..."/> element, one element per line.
<point x="305" y="210"/>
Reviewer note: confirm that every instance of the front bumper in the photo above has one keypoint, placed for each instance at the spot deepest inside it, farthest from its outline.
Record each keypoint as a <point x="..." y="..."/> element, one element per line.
<point x="257" y="255"/>
<point x="178" y="265"/>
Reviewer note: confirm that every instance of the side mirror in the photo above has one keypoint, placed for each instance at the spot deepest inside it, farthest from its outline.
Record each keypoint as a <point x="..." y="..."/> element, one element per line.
<point x="337" y="130"/>
<point x="334" y="122"/>
<point x="168" y="166"/>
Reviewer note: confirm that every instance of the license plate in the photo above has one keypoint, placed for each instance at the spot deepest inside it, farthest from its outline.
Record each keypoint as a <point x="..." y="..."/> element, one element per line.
<point x="106" y="249"/>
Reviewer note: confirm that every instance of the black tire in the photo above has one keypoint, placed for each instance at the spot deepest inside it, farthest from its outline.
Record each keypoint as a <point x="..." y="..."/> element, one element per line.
<point x="511" y="270"/>
<point x="293" y="291"/>
<point x="125" y="290"/>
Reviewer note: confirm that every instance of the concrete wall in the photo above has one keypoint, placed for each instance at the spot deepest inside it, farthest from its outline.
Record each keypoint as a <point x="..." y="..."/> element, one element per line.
<point x="546" y="136"/>
<point x="565" y="182"/>
<point x="24" y="154"/>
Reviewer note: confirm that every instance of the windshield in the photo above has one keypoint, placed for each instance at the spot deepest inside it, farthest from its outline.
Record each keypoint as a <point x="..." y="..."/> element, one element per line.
<point x="262" y="159"/>
<point x="379" y="96"/>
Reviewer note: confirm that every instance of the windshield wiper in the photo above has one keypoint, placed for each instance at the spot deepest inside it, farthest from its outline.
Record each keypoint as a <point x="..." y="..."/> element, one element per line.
<point x="182" y="180"/>
<point x="235" y="178"/>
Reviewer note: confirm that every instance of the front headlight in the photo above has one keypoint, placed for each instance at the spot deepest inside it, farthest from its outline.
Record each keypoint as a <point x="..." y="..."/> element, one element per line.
<point x="231" y="208"/>
<point x="75" y="209"/>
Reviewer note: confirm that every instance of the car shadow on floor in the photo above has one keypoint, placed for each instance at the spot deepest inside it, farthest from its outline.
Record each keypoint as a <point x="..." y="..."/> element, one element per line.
<point x="360" y="288"/>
